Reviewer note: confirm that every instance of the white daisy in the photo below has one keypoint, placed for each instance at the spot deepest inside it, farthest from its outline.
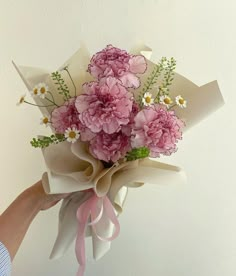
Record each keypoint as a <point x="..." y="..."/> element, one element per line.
<point x="35" y="91"/>
<point x="42" y="89"/>
<point x="180" y="101"/>
<point x="147" y="99"/>
<point x="21" y="100"/>
<point x="44" y="121"/>
<point x="72" y="134"/>
<point x="166" y="100"/>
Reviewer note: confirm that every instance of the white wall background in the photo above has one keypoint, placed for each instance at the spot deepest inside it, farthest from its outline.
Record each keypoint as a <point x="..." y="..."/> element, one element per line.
<point x="187" y="230"/>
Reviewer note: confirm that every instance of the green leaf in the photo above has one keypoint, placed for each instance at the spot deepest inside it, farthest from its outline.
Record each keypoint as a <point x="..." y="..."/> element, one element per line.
<point x="47" y="140"/>
<point x="137" y="153"/>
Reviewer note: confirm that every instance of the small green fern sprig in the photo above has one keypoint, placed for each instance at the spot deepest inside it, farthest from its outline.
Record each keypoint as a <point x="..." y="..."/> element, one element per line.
<point x="168" y="78"/>
<point x="62" y="87"/>
<point x="152" y="79"/>
<point x="47" y="140"/>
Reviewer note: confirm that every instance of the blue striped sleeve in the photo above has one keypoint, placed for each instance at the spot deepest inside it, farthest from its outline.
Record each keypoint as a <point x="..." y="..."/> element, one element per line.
<point x="5" y="261"/>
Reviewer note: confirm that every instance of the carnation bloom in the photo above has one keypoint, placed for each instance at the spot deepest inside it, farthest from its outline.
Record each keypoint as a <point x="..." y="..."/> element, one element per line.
<point x="110" y="147"/>
<point x="127" y="129"/>
<point x="104" y="106"/>
<point x="158" y="129"/>
<point x="117" y="63"/>
<point x="65" y="116"/>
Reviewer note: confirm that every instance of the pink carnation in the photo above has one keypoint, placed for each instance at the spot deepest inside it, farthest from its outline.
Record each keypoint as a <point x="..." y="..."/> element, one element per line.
<point x="158" y="129"/>
<point x="65" y="116"/>
<point x="117" y="63"/>
<point x="127" y="129"/>
<point x="110" y="147"/>
<point x="104" y="106"/>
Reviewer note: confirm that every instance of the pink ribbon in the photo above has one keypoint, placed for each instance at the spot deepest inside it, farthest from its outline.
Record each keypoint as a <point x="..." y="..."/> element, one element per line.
<point x="95" y="207"/>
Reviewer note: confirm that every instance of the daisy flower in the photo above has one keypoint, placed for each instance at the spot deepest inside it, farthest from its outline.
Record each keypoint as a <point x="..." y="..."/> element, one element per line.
<point x="44" y="121"/>
<point x="147" y="99"/>
<point x="21" y="100"/>
<point x="42" y="89"/>
<point x="180" y="101"/>
<point x="72" y="134"/>
<point x="35" y="91"/>
<point x="165" y="100"/>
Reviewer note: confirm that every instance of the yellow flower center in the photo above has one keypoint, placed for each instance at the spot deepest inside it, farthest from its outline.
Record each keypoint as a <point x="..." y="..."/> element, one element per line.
<point x="45" y="120"/>
<point x="181" y="101"/>
<point x="42" y="90"/>
<point x="167" y="101"/>
<point x="148" y="99"/>
<point x="72" y="134"/>
<point x="35" y="91"/>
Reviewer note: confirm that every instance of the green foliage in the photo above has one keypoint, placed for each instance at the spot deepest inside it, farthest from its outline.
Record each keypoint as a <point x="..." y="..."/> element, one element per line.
<point x="62" y="87"/>
<point x="165" y="68"/>
<point x="66" y="69"/>
<point x="47" y="140"/>
<point x="153" y="78"/>
<point x="168" y="78"/>
<point x="137" y="153"/>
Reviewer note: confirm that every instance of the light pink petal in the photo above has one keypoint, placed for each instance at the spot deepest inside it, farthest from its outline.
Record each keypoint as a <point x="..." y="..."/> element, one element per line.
<point x="81" y="104"/>
<point x="111" y="82"/>
<point x="111" y="127"/>
<point x="130" y="80"/>
<point x="143" y="117"/>
<point x="95" y="71"/>
<point x="138" y="64"/>
<point x="86" y="135"/>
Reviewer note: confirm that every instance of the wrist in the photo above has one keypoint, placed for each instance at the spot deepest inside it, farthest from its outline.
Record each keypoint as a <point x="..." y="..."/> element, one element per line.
<point x="35" y="196"/>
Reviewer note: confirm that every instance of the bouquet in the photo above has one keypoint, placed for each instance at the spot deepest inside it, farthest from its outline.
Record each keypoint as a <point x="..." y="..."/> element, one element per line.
<point x="109" y="115"/>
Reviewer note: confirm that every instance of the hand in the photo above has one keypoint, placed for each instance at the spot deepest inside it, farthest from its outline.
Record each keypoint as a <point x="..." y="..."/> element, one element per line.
<point x="16" y="219"/>
<point x="44" y="200"/>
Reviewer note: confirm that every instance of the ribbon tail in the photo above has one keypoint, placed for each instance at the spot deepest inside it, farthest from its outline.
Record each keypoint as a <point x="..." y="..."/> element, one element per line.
<point x="80" y="247"/>
<point x="81" y="271"/>
<point x="83" y="214"/>
<point x="105" y="230"/>
<point x="111" y="216"/>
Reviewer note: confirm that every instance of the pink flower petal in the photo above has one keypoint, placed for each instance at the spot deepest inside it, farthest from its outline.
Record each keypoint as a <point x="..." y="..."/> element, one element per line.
<point x="138" y="64"/>
<point x="158" y="129"/>
<point x="130" y="80"/>
<point x="105" y="106"/>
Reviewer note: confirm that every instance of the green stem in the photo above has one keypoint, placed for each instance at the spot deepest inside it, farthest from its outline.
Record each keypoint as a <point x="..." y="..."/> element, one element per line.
<point x="172" y="106"/>
<point x="70" y="78"/>
<point x="51" y="101"/>
<point x="38" y="105"/>
<point x="51" y="96"/>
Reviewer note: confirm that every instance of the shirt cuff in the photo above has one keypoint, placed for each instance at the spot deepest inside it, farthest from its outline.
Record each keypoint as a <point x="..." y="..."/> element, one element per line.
<point x="5" y="261"/>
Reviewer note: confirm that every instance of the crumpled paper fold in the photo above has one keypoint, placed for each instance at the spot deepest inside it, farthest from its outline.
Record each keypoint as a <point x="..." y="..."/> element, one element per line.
<point x="72" y="169"/>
